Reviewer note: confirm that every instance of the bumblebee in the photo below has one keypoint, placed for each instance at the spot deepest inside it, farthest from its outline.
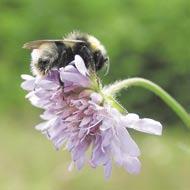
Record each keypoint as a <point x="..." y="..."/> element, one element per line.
<point x="48" y="54"/>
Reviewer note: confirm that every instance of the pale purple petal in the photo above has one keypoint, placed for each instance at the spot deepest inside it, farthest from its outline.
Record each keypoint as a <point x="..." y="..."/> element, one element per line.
<point x="47" y="115"/>
<point x="107" y="137"/>
<point x="130" y="119"/>
<point x="132" y="165"/>
<point x="80" y="150"/>
<point x="28" y="85"/>
<point x="106" y="124"/>
<point x="116" y="152"/>
<point x="54" y="76"/>
<point x="47" y="85"/>
<point x="70" y="167"/>
<point x="128" y="145"/>
<point x="107" y="169"/>
<point x="99" y="156"/>
<point x="68" y="68"/>
<point x="85" y="121"/>
<point x="80" y="162"/>
<point x="79" y="63"/>
<point x="96" y="98"/>
<point x="42" y="126"/>
<point x="27" y="77"/>
<point x="147" y="126"/>
<point x="76" y="78"/>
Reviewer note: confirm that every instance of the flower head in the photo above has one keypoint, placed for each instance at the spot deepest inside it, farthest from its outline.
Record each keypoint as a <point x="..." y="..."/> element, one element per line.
<point x="78" y="116"/>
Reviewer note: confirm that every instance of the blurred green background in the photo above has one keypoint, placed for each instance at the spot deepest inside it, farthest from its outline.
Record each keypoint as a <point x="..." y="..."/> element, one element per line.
<point x="144" y="38"/>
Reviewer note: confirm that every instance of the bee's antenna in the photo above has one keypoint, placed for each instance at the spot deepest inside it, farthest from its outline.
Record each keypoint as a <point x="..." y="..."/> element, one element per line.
<point x="107" y="66"/>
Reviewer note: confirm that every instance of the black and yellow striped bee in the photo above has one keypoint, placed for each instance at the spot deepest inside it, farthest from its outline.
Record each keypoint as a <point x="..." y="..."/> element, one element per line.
<point x="48" y="54"/>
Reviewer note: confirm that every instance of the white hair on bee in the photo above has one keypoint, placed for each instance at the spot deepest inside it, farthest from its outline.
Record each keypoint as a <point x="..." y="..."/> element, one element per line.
<point x="46" y="50"/>
<point x="93" y="41"/>
<point x="34" y="60"/>
<point x="96" y="44"/>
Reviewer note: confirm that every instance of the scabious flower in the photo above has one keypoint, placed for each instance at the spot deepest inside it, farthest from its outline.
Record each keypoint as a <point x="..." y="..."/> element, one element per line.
<point x="80" y="116"/>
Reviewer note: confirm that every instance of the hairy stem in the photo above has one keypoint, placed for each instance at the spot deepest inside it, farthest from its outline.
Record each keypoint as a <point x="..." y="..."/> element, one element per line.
<point x="171" y="102"/>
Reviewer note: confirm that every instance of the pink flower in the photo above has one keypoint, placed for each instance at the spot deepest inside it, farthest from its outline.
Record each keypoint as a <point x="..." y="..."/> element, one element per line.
<point x="77" y="115"/>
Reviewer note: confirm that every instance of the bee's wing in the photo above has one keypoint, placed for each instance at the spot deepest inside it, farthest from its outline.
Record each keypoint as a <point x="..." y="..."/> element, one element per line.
<point x="37" y="43"/>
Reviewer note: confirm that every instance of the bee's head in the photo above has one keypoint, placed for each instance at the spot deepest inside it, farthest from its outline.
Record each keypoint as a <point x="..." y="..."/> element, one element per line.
<point x="101" y="59"/>
<point x="100" y="54"/>
<point x="90" y="46"/>
<point x="43" y="58"/>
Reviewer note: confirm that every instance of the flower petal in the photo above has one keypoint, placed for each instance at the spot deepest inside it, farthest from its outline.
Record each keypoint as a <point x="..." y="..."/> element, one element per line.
<point x="132" y="165"/>
<point x="75" y="78"/>
<point x="27" y="77"/>
<point x="130" y="119"/>
<point x="79" y="63"/>
<point x="28" y="85"/>
<point x="47" y="85"/>
<point x="79" y="151"/>
<point x="147" y="126"/>
<point x="80" y="163"/>
<point x="107" y="169"/>
<point x="96" y="98"/>
<point x="127" y="144"/>
<point x="42" y="126"/>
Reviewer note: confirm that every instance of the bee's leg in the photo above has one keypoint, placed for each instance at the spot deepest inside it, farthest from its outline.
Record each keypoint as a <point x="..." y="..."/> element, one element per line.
<point x="98" y="60"/>
<point x="62" y="58"/>
<point x="87" y="55"/>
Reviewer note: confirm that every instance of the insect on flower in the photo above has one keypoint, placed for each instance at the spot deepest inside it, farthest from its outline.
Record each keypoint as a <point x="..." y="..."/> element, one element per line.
<point x="47" y="54"/>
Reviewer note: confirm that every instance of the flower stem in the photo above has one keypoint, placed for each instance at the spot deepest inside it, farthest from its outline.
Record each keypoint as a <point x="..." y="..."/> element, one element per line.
<point x="171" y="102"/>
<point x="116" y="104"/>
